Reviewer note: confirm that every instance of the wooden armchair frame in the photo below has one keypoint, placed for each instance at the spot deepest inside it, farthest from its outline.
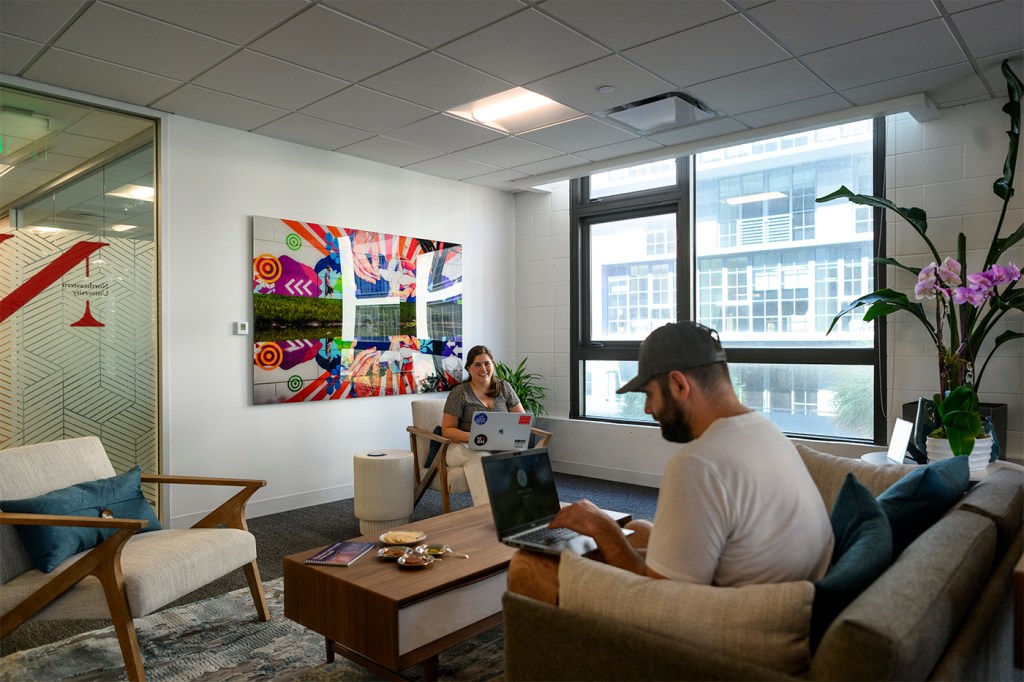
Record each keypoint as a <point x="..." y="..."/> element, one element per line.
<point x="104" y="562"/>
<point x="439" y="467"/>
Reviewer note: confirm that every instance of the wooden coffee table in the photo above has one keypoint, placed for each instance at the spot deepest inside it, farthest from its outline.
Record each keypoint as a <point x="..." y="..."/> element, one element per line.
<point x="388" y="618"/>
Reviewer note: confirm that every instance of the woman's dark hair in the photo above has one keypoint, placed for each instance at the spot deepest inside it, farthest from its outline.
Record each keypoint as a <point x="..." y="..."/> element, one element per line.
<point x="492" y="389"/>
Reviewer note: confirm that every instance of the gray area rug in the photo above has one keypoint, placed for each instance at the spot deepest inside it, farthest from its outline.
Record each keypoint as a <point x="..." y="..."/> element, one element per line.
<point x="220" y="639"/>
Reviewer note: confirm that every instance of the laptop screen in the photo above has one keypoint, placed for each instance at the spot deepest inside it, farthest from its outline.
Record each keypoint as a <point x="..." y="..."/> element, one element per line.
<point x="522" y="488"/>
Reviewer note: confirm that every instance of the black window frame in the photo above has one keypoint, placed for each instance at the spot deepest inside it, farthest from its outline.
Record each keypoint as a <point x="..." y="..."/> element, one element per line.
<point x="585" y="212"/>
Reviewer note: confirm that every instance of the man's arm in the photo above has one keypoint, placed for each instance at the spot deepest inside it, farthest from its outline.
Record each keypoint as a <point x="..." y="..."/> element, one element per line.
<point x="615" y="548"/>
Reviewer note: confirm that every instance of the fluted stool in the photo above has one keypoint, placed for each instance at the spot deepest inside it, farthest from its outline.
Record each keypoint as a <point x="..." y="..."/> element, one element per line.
<point x="383" y="489"/>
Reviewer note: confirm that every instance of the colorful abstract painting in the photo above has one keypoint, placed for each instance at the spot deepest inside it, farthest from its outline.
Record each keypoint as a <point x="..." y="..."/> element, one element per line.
<point x="349" y="313"/>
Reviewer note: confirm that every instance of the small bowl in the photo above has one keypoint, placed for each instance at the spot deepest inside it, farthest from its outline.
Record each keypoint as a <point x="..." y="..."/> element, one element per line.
<point x="403" y="537"/>
<point x="414" y="560"/>
<point x="432" y="549"/>
<point x="392" y="552"/>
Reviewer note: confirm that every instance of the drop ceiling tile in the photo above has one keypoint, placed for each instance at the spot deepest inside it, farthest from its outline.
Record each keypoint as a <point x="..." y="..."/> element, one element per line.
<point x="805" y="26"/>
<point x="792" y="111"/>
<point x="618" y="149"/>
<point x="328" y="42"/>
<point x="35" y="20"/>
<point x="270" y="81"/>
<point x="581" y="133"/>
<point x="621" y="24"/>
<point x="444" y="133"/>
<point x="993" y="29"/>
<point x="550" y="165"/>
<point x="391" y="152"/>
<point x="427" y="23"/>
<point x="993" y="70"/>
<point x="367" y="110"/>
<point x="952" y="82"/>
<point x="498" y="180"/>
<point x="67" y="144"/>
<point x="698" y="131"/>
<point x="509" y="151"/>
<point x="85" y="74"/>
<point x="436" y="82"/>
<point x="524" y="47"/>
<point x="683" y="58"/>
<point x="216" y="107"/>
<point x="452" y="167"/>
<point x="236" y="21"/>
<point x="890" y="55"/>
<point x="577" y="87"/>
<point x="311" y="132"/>
<point x="115" y="35"/>
<point x="759" y="88"/>
<point x="16" y="52"/>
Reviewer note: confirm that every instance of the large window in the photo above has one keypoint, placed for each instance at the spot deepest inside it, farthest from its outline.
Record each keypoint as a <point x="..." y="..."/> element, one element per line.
<point x="734" y="239"/>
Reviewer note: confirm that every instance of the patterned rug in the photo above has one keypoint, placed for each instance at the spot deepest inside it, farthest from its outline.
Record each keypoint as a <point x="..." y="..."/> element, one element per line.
<point x="220" y="639"/>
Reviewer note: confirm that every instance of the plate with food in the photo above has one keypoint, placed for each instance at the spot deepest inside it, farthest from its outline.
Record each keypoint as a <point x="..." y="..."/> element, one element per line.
<point x="414" y="560"/>
<point x="403" y="537"/>
<point x="392" y="552"/>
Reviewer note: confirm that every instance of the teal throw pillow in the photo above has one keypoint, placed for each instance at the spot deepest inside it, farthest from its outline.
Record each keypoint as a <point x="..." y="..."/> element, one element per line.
<point x="49" y="546"/>
<point x="433" y="448"/>
<point x="920" y="498"/>
<point x="862" y="552"/>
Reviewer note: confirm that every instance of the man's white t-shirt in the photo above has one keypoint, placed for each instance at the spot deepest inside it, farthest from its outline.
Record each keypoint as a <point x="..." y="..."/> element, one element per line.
<point x="737" y="507"/>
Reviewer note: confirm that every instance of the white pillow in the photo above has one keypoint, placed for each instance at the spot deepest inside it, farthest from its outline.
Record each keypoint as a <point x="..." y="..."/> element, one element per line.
<point x="768" y="625"/>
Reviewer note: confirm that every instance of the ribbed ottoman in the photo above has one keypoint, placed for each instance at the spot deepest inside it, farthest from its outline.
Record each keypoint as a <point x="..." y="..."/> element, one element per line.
<point x="383" y="489"/>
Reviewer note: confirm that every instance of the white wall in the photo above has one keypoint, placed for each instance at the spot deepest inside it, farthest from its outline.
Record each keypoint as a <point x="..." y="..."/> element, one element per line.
<point x="945" y="166"/>
<point x="215" y="178"/>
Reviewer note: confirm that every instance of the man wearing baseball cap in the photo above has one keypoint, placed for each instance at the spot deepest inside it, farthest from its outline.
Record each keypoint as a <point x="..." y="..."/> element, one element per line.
<point x="736" y="504"/>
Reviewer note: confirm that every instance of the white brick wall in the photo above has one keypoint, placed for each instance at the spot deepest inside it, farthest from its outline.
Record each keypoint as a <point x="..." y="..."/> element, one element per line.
<point x="945" y="166"/>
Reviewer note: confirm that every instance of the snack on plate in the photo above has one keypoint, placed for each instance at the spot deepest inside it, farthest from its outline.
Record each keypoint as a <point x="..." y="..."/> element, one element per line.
<point x="398" y="537"/>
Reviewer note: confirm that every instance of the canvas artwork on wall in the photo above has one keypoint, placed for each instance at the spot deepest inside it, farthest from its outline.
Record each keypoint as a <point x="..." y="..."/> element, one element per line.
<point x="348" y="313"/>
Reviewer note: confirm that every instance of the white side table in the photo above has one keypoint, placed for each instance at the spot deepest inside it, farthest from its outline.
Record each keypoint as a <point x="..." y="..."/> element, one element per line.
<point x="881" y="458"/>
<point x="383" y="489"/>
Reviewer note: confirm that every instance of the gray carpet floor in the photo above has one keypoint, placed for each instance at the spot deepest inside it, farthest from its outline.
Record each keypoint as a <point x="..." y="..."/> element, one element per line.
<point x="278" y="535"/>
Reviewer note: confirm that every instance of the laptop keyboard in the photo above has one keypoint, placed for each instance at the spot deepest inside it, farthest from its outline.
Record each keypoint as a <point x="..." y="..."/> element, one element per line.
<point x="547" y="536"/>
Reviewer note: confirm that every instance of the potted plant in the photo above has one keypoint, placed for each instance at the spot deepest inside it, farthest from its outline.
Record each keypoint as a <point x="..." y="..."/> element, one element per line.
<point x="525" y="386"/>
<point x="967" y="308"/>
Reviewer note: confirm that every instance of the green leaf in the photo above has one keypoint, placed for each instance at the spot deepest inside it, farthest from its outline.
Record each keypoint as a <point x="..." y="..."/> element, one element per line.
<point x="884" y="302"/>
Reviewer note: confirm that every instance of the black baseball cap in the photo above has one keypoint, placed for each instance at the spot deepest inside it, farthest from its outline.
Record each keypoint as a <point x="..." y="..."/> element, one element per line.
<point x="677" y="345"/>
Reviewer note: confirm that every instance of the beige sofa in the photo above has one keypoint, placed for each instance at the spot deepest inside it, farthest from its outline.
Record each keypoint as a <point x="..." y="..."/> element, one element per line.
<point x="942" y="610"/>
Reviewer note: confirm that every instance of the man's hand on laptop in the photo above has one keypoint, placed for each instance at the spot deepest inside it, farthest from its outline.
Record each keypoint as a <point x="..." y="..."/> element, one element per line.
<point x="587" y="518"/>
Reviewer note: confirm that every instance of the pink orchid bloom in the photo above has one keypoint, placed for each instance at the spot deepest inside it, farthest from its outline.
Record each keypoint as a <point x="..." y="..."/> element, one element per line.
<point x="949" y="272"/>
<point x="927" y="285"/>
<point x="1001" y="274"/>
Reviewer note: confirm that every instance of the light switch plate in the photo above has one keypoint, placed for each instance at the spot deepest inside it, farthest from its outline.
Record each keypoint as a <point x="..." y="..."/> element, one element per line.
<point x="241" y="328"/>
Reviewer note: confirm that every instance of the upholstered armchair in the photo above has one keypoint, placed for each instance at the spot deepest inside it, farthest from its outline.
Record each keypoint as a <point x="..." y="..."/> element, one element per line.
<point x="426" y="417"/>
<point x="132" y="572"/>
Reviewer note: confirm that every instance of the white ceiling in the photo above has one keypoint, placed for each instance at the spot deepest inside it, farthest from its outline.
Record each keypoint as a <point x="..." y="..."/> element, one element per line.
<point x="372" y="78"/>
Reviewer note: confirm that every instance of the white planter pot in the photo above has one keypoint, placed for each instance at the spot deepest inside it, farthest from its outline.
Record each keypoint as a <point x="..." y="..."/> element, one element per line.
<point x="938" y="449"/>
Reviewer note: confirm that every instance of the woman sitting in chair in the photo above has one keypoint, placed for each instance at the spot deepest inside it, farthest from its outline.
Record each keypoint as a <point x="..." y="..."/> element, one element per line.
<point x="482" y="392"/>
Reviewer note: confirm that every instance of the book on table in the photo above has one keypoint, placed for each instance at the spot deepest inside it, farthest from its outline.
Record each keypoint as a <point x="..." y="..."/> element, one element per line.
<point x="340" y="553"/>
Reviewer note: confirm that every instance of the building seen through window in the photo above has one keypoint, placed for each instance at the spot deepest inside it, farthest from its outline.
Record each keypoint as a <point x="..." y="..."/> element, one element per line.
<point x="764" y="264"/>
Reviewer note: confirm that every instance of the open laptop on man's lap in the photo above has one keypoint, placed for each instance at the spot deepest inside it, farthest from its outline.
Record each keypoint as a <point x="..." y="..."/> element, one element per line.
<point x="523" y="497"/>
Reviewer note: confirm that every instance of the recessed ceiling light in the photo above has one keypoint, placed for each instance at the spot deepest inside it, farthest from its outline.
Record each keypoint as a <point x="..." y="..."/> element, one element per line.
<point x="137" y="192"/>
<point x="40" y="229"/>
<point x="516" y="111"/>
<point x="122" y="228"/>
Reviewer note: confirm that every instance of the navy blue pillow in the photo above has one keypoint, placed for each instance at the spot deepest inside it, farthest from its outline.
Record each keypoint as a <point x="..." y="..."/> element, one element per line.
<point x="433" y="448"/>
<point x="920" y="498"/>
<point x="49" y="546"/>
<point x="862" y="552"/>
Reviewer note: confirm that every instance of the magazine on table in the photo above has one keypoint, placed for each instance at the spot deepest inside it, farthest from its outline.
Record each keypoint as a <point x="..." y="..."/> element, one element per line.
<point x="341" y="553"/>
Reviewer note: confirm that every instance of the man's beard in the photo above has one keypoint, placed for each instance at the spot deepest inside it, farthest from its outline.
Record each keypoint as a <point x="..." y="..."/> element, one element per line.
<point x="675" y="423"/>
